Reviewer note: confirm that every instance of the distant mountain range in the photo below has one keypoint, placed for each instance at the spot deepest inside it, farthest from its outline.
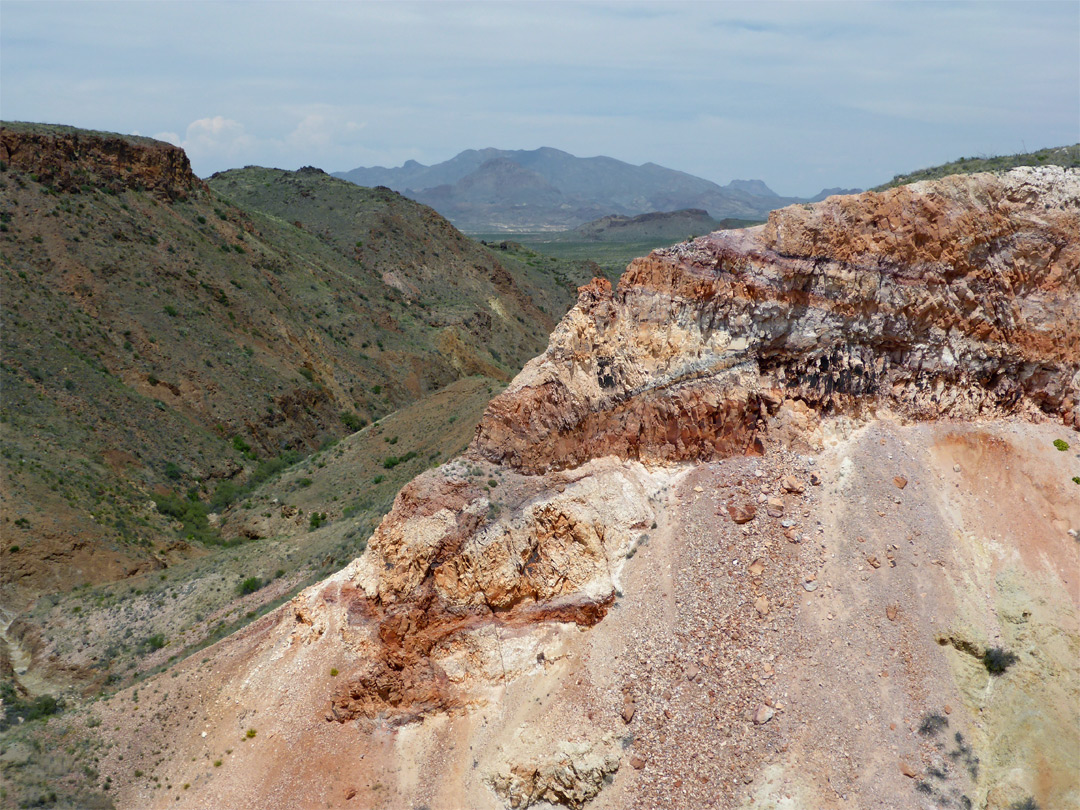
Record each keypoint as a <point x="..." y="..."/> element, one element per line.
<point x="489" y="190"/>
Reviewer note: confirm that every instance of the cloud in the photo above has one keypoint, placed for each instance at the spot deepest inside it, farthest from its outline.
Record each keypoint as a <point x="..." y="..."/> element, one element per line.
<point x="217" y="138"/>
<point x="321" y="131"/>
<point x="168" y="137"/>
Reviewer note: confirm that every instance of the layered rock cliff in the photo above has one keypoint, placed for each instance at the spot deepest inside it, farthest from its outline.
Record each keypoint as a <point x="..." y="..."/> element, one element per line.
<point x="791" y="620"/>
<point x="950" y="298"/>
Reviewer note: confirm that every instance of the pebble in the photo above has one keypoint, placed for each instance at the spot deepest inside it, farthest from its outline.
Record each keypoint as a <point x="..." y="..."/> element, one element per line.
<point x="637" y="762"/>
<point x="900" y="481"/>
<point x="763" y="714"/>
<point x="792" y="484"/>
<point x="809" y="586"/>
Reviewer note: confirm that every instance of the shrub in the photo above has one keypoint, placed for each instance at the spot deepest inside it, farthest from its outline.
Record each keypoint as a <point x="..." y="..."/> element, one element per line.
<point x="316" y="520"/>
<point x="352" y="421"/>
<point x="251" y="733"/>
<point x="333" y="672"/>
<point x="171" y="311"/>
<point x="932" y="724"/>
<point x="392" y="461"/>
<point x="997" y="660"/>
<point x="1061" y="445"/>
<point x="250" y="585"/>
<point x="303" y="483"/>
<point x="172" y="471"/>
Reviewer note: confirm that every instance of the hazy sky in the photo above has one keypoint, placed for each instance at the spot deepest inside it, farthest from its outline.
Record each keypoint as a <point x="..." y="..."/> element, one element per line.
<point x="800" y="94"/>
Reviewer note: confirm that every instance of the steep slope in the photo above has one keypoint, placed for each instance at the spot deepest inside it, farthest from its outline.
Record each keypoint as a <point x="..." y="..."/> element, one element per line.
<point x="554" y="190"/>
<point x="780" y="523"/>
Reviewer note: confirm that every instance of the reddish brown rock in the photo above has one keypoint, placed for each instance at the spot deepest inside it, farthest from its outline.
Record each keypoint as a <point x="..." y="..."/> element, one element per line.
<point x="742" y="512"/>
<point x="69" y="158"/>
<point x="945" y="298"/>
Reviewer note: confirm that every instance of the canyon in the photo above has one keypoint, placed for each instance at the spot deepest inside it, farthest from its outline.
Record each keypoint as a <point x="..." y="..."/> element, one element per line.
<point x="786" y="519"/>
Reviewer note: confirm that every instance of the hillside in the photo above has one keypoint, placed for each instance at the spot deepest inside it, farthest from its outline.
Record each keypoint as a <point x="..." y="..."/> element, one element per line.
<point x="788" y="519"/>
<point x="669" y="226"/>
<point x="497" y="190"/>
<point x="170" y="346"/>
<point x="1065" y="156"/>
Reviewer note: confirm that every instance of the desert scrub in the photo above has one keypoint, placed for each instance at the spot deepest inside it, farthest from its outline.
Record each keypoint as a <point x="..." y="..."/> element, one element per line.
<point x="250" y="585"/>
<point x="996" y="660"/>
<point x="1061" y="445"/>
<point x="251" y="733"/>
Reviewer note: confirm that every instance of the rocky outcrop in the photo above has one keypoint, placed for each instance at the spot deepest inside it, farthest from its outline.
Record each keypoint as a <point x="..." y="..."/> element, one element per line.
<point x="67" y="158"/>
<point x="948" y="298"/>
<point x="953" y="298"/>
<point x="569" y="777"/>
<point x="446" y="579"/>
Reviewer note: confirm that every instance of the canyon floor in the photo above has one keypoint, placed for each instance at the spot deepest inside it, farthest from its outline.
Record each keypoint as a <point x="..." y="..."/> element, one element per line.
<point x="835" y="661"/>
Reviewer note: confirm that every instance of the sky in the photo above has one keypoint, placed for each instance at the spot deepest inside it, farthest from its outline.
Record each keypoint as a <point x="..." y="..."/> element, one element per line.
<point x="803" y="95"/>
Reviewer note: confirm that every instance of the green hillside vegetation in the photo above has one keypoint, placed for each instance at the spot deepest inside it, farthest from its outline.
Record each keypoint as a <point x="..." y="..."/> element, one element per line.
<point x="178" y="355"/>
<point x="610" y="243"/>
<point x="1067" y="156"/>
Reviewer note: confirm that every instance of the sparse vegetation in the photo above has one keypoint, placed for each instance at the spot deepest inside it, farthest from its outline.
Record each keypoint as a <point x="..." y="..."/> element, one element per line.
<point x="250" y="585"/>
<point x="996" y="660"/>
<point x="1061" y="445"/>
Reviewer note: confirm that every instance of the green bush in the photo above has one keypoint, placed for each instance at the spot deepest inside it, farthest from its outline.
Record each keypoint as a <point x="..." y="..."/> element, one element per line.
<point x="392" y="461"/>
<point x="352" y="421"/>
<point x="317" y="520"/>
<point x="250" y="585"/>
<point x="28" y="709"/>
<point x="1061" y="445"/>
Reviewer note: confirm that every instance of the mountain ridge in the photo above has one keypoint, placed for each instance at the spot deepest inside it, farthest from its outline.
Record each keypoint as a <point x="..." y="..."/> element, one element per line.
<point x="587" y="188"/>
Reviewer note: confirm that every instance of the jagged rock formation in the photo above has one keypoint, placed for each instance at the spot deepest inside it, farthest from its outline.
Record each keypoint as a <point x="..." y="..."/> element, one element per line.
<point x="952" y="298"/>
<point x="759" y="627"/>
<point x="67" y="158"/>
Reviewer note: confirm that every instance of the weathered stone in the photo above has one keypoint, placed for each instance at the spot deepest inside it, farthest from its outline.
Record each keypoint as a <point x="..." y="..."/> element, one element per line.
<point x="763" y="714"/>
<point x="742" y="512"/>
<point x="792" y="484"/>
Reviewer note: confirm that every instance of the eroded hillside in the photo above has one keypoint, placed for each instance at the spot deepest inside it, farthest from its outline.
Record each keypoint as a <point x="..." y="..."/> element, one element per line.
<point x="788" y="520"/>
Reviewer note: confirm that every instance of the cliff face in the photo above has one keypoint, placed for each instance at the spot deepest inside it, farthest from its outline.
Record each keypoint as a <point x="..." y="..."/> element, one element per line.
<point x="954" y="298"/>
<point x="793" y="619"/>
<point x="68" y="158"/>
